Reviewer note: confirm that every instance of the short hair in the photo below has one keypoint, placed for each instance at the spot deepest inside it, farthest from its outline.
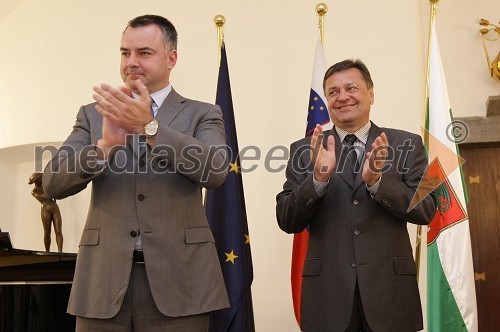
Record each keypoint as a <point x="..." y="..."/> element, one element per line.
<point x="348" y="64"/>
<point x="166" y="27"/>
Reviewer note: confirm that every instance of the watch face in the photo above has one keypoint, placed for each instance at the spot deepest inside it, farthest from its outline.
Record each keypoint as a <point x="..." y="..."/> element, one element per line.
<point x="151" y="128"/>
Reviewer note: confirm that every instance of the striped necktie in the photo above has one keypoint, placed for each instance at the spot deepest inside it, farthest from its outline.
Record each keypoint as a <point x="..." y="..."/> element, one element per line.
<point x="352" y="156"/>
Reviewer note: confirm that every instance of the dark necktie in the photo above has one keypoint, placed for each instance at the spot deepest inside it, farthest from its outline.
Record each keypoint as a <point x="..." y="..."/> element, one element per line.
<point x="142" y="140"/>
<point x="352" y="157"/>
<point x="151" y="109"/>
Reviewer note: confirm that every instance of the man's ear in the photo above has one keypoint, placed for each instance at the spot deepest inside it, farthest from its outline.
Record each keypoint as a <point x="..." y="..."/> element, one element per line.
<point x="172" y="58"/>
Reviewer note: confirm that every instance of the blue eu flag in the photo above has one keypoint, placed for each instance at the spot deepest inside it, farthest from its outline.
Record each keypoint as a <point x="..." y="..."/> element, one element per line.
<point x="226" y="213"/>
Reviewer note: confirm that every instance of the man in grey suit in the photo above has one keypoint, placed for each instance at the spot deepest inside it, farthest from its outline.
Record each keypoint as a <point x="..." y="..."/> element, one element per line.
<point x="147" y="259"/>
<point x="354" y="193"/>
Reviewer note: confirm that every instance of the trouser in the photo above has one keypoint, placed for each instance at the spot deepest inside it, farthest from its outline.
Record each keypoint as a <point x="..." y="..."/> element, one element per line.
<point x="139" y="313"/>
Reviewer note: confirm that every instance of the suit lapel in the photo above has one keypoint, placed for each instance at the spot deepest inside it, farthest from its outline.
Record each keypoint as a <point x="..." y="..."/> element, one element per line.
<point x="171" y="107"/>
<point x="375" y="131"/>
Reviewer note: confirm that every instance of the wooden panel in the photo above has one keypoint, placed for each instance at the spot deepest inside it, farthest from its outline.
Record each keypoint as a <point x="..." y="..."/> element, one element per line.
<point x="482" y="172"/>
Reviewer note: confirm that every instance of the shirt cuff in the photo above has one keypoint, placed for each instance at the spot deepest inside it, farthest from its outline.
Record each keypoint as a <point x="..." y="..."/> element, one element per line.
<point x="320" y="187"/>
<point x="374" y="189"/>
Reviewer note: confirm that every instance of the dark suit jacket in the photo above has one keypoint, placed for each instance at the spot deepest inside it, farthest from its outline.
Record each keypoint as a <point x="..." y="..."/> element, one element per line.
<point x="356" y="237"/>
<point x="156" y="191"/>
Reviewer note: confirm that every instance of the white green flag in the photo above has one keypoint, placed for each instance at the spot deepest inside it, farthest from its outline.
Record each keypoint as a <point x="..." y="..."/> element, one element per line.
<point x="451" y="296"/>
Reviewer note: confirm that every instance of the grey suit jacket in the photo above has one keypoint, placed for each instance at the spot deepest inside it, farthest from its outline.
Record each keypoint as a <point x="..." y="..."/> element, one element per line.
<point x="155" y="191"/>
<point x="354" y="237"/>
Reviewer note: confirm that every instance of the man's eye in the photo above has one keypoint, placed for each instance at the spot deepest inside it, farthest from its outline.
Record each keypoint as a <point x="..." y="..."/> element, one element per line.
<point x="333" y="93"/>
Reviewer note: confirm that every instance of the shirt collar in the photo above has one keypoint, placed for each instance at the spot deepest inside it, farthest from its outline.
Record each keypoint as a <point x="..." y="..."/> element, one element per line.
<point x="361" y="134"/>
<point x="160" y="95"/>
<point x="157" y="97"/>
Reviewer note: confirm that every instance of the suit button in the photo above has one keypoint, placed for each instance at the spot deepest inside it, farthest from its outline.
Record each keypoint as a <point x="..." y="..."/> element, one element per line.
<point x="356" y="232"/>
<point x="133" y="234"/>
<point x="353" y="265"/>
<point x="141" y="197"/>
<point x="355" y="202"/>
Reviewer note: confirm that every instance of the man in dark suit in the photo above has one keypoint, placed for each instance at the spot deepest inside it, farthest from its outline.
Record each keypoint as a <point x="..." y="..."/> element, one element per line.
<point x="354" y="193"/>
<point x="147" y="259"/>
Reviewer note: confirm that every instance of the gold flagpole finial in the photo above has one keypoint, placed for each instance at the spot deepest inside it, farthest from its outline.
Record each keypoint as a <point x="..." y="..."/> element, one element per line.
<point x="321" y="10"/>
<point x="219" y="21"/>
<point x="433" y="8"/>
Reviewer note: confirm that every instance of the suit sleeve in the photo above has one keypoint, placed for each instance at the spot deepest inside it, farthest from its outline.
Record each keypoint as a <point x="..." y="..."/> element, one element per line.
<point x="298" y="202"/>
<point x="200" y="155"/>
<point x="395" y="194"/>
<point x="75" y="163"/>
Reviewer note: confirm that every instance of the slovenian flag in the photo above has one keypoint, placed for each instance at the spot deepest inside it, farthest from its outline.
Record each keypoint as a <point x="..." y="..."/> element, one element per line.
<point x="317" y="114"/>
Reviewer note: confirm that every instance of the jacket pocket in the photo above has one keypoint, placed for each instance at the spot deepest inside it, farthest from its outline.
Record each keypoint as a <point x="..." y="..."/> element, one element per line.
<point x="312" y="267"/>
<point x="90" y="237"/>
<point x="198" y="235"/>
<point x="405" y="265"/>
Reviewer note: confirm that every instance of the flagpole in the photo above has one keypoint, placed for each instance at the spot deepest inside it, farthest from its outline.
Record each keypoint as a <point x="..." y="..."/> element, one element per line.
<point x="426" y="104"/>
<point x="219" y="22"/>
<point x="321" y="10"/>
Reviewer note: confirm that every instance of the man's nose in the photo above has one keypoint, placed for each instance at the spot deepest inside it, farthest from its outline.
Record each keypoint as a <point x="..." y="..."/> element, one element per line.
<point x="343" y="95"/>
<point x="132" y="61"/>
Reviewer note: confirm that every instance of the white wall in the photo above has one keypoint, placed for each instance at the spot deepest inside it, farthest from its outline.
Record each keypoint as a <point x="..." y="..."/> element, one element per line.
<point x="7" y="199"/>
<point x="464" y="60"/>
<point x="54" y="51"/>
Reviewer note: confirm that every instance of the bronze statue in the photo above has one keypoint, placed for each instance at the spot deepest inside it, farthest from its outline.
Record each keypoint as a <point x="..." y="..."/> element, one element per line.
<point x="50" y="213"/>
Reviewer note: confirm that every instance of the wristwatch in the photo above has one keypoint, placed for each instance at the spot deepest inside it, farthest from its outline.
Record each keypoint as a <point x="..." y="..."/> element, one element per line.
<point x="151" y="128"/>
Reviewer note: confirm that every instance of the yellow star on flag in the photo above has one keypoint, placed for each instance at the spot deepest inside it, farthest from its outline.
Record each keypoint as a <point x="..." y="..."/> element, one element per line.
<point x="233" y="167"/>
<point x="247" y="239"/>
<point x="231" y="257"/>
